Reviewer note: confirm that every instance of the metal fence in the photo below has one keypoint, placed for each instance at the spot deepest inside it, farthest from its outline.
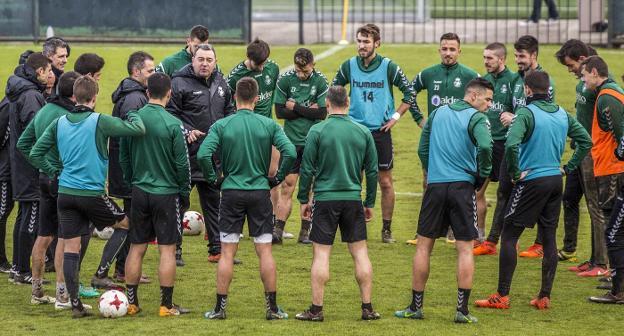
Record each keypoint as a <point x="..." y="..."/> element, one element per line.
<point x="423" y="21"/>
<point x="124" y="20"/>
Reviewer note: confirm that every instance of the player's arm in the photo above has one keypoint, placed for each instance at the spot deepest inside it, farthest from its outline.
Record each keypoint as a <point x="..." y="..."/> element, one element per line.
<point x="279" y="98"/>
<point x="398" y="79"/>
<point x="308" y="167"/>
<point x="182" y="165"/>
<point x="481" y="135"/>
<point x="230" y="107"/>
<point x="43" y="145"/>
<point x="288" y="155"/>
<point x="582" y="141"/>
<point x="4" y="123"/>
<point x="371" y="170"/>
<point x="423" y="145"/>
<point x="27" y="141"/>
<point x="125" y="159"/>
<point x="206" y="149"/>
<point x="518" y="130"/>
<point x="115" y="127"/>
<point x="319" y="111"/>
<point x="342" y="75"/>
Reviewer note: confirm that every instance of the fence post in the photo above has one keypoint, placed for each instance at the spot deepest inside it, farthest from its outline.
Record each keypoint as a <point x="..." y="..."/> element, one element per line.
<point x="35" y="18"/>
<point x="301" y="22"/>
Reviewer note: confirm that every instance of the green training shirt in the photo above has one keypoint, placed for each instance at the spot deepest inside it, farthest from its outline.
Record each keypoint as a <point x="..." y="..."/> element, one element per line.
<point x="46" y="116"/>
<point x="522" y="127"/>
<point x="336" y="152"/>
<point x="107" y="127"/>
<point x="305" y="93"/>
<point x="243" y="141"/>
<point x="174" y="62"/>
<point x="157" y="162"/>
<point x="395" y="76"/>
<point x="584" y="105"/>
<point x="519" y="99"/>
<point x="445" y="84"/>
<point x="502" y="101"/>
<point x="267" y="79"/>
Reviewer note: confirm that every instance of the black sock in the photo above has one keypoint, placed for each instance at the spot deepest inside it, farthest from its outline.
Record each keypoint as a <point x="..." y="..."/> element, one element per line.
<point x="166" y="296"/>
<point x="618" y="281"/>
<point x="417" y="300"/>
<point x="271" y="300"/>
<point x="387" y="223"/>
<point x="305" y="224"/>
<point x="84" y="243"/>
<point x="133" y="295"/>
<point x="463" y="295"/>
<point x="221" y="302"/>
<point x="314" y="309"/>
<point x="70" y="271"/>
<point x="113" y="246"/>
<point x="367" y="306"/>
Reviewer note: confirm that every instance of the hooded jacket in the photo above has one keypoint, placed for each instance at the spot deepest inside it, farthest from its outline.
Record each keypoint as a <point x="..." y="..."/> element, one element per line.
<point x="129" y="95"/>
<point x="25" y="99"/>
<point x="199" y="103"/>
<point x="5" y="162"/>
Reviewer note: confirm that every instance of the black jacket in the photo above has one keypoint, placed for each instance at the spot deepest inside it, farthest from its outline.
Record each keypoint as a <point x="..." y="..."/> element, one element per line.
<point x="199" y="103"/>
<point x="129" y="95"/>
<point x="5" y="162"/>
<point x="25" y="100"/>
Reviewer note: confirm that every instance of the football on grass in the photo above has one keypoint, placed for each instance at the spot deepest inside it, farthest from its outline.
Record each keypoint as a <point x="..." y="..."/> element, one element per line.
<point x="192" y="223"/>
<point x="113" y="303"/>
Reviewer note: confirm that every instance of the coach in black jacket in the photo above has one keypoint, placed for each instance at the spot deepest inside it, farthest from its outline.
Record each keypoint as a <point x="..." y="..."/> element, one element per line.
<point x="199" y="97"/>
<point x="24" y="90"/>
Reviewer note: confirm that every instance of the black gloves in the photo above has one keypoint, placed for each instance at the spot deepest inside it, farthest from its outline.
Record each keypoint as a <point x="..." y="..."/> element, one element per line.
<point x="273" y="181"/>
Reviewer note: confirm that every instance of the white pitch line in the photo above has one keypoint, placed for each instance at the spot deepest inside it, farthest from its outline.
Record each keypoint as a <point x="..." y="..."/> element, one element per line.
<point x="410" y="194"/>
<point x="320" y="56"/>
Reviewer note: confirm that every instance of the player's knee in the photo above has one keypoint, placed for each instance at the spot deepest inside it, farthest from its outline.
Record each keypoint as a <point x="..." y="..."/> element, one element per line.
<point x="385" y="182"/>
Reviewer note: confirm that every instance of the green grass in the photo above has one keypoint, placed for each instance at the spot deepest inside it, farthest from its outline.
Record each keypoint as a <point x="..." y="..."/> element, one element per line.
<point x="195" y="287"/>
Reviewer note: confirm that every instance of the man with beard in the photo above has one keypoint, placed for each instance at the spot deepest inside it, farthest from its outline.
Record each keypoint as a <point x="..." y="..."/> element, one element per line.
<point x="445" y="83"/>
<point x="59" y="105"/>
<point x="24" y="90"/>
<point x="371" y="78"/>
<point x="198" y="35"/>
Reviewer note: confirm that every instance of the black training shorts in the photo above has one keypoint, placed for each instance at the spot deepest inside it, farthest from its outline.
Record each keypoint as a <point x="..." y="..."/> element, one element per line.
<point x="154" y="216"/>
<point x="328" y="216"/>
<point x="77" y="212"/>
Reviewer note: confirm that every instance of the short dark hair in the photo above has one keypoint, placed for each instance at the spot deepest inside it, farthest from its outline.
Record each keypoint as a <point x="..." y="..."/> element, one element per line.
<point x="450" y="37"/>
<point x="24" y="56"/>
<point x="303" y="57"/>
<point x="596" y="62"/>
<point x="592" y="51"/>
<point x="258" y="51"/>
<point x="528" y="43"/>
<point x="572" y="49"/>
<point x="52" y="43"/>
<point x="88" y="63"/>
<point x="85" y="89"/>
<point x="205" y="46"/>
<point x="158" y="85"/>
<point x="200" y="32"/>
<point x="337" y="96"/>
<point x="497" y="47"/>
<point x="65" y="87"/>
<point x="37" y="60"/>
<point x="246" y="90"/>
<point x="537" y="81"/>
<point x="480" y="84"/>
<point x="137" y="60"/>
<point x="370" y="30"/>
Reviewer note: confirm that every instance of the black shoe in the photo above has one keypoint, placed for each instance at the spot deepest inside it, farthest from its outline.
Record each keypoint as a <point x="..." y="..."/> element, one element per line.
<point x="215" y="315"/>
<point x="368" y="315"/>
<point x="23" y="279"/>
<point x="608" y="298"/>
<point x="606" y="286"/>
<point x="605" y="279"/>
<point x="5" y="267"/>
<point x="307" y="315"/>
<point x="80" y="313"/>
<point x="179" y="261"/>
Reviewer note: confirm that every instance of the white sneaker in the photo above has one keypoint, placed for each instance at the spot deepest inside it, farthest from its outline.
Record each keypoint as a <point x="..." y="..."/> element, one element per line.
<point x="287" y="235"/>
<point x="60" y="305"/>
<point x="34" y="300"/>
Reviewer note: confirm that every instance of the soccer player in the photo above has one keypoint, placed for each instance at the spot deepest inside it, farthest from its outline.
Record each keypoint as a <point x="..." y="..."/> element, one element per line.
<point x="337" y="151"/>
<point x="371" y="78"/>
<point x="526" y="54"/>
<point x="608" y="154"/>
<point x="199" y="97"/>
<point x="244" y="143"/>
<point x="24" y="90"/>
<point x="89" y="64"/>
<point x="259" y="67"/>
<point x="59" y="105"/>
<point x="456" y="170"/>
<point x="445" y="83"/>
<point x="502" y="79"/>
<point x="535" y="143"/>
<point x="157" y="166"/>
<point x="571" y="54"/>
<point x="57" y="50"/>
<point x="198" y="35"/>
<point x="130" y="95"/>
<point x="81" y="138"/>
<point x="300" y="101"/>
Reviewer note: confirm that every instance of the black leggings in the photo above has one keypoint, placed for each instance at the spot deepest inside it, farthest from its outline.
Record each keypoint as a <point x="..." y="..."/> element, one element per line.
<point x="509" y="258"/>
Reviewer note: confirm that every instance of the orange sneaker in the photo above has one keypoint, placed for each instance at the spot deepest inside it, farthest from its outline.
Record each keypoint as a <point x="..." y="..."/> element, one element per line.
<point x="495" y="301"/>
<point x="476" y="243"/>
<point x="486" y="248"/>
<point x="133" y="309"/>
<point x="534" y="251"/>
<point x="596" y="271"/>
<point x="582" y="267"/>
<point x="541" y="304"/>
<point x="164" y="311"/>
<point x="214" y="258"/>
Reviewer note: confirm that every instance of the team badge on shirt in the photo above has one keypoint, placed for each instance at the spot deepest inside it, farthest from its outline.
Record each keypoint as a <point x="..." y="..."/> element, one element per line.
<point x="457" y="82"/>
<point x="313" y="90"/>
<point x="220" y="91"/>
<point x="267" y="80"/>
<point x="504" y="88"/>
